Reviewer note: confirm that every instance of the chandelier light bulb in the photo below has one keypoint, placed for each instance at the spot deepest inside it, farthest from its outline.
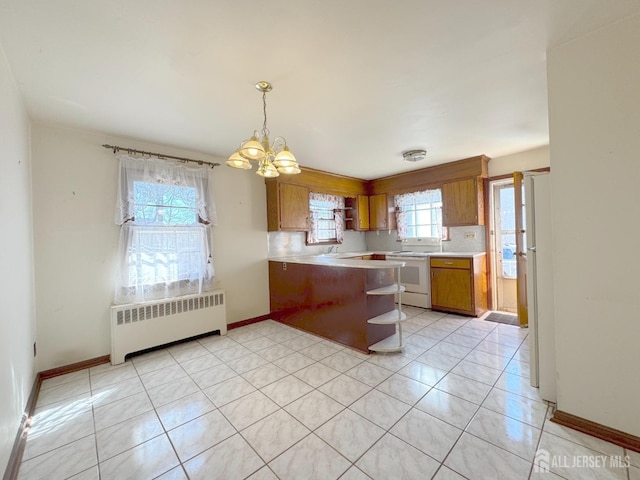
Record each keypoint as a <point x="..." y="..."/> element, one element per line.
<point x="237" y="161"/>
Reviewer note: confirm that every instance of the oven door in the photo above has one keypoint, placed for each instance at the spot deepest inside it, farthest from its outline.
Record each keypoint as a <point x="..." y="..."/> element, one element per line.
<point x="414" y="275"/>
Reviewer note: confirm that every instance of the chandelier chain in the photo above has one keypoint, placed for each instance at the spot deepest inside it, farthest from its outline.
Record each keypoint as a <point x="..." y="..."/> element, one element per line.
<point x="265" y="130"/>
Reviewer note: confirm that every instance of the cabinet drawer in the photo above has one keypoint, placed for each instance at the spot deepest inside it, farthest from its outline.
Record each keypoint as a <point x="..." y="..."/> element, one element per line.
<point x="448" y="262"/>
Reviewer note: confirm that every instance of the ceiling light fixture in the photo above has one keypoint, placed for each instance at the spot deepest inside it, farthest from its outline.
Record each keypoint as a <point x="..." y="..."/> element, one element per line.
<point x="414" y="155"/>
<point x="273" y="158"/>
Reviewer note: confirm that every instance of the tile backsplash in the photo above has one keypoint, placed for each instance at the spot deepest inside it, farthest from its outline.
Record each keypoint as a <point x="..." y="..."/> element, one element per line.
<point x="284" y="244"/>
<point x="383" y="241"/>
<point x="462" y="239"/>
<point x="465" y="239"/>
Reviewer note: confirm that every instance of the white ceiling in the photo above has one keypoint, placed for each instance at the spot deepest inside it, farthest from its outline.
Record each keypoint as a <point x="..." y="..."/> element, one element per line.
<point x="356" y="82"/>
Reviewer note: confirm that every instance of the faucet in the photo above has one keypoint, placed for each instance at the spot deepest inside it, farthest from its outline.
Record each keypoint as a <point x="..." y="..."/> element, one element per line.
<point x="332" y="248"/>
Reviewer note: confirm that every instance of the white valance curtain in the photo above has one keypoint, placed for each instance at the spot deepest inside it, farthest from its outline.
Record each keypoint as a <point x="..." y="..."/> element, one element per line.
<point x="326" y="202"/>
<point x="165" y="212"/>
<point x="150" y="170"/>
<point x="406" y="202"/>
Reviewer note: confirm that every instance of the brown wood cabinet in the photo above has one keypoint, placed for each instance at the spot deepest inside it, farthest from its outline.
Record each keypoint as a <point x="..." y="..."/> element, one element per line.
<point x="463" y="203"/>
<point x="459" y="284"/>
<point x="331" y="301"/>
<point x="362" y="224"/>
<point x="381" y="212"/>
<point x="357" y="213"/>
<point x="287" y="207"/>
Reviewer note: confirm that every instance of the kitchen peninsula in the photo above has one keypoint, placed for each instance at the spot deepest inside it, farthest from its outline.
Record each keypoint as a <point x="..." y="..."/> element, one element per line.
<point x="336" y="298"/>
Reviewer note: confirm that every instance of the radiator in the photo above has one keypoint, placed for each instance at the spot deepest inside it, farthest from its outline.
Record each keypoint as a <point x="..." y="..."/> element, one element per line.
<point x="141" y="326"/>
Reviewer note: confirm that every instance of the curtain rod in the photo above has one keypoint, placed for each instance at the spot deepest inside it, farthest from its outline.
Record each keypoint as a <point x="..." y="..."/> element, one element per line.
<point x="161" y="156"/>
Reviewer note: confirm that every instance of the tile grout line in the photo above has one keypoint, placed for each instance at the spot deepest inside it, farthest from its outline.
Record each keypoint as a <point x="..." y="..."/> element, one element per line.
<point x="464" y="430"/>
<point x="340" y="373"/>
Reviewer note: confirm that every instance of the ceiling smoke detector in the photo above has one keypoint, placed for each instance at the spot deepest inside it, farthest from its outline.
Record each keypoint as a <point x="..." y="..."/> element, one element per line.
<point x="414" y="155"/>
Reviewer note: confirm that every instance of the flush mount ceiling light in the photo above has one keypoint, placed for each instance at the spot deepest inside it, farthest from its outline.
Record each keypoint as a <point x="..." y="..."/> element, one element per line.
<point x="273" y="158"/>
<point x="414" y="155"/>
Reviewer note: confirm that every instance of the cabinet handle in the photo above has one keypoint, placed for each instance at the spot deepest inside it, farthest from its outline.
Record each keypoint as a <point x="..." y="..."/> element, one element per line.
<point x="448" y="263"/>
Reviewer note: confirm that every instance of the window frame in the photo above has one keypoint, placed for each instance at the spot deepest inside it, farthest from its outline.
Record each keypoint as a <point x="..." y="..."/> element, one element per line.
<point x="153" y="267"/>
<point x="408" y="204"/>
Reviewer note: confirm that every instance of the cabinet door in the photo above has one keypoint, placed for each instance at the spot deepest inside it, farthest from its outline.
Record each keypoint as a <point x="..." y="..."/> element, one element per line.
<point x="294" y="207"/>
<point x="362" y="213"/>
<point x="378" y="212"/>
<point x="462" y="203"/>
<point x="451" y="288"/>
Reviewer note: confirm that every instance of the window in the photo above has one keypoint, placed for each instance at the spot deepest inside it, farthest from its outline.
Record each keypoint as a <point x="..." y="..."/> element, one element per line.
<point x="164" y="210"/>
<point x="419" y="214"/>
<point x="327" y="218"/>
<point x="506" y="231"/>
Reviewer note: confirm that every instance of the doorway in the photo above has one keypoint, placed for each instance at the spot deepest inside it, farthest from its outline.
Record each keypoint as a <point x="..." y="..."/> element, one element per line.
<point x="503" y="245"/>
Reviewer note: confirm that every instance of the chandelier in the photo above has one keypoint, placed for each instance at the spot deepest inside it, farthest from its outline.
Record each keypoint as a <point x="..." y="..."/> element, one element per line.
<point x="273" y="158"/>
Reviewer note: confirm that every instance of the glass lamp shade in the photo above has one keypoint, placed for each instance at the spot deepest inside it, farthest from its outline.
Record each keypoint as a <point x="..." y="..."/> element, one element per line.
<point x="290" y="170"/>
<point x="285" y="158"/>
<point x="236" y="161"/>
<point x="252" y="149"/>
<point x="266" y="169"/>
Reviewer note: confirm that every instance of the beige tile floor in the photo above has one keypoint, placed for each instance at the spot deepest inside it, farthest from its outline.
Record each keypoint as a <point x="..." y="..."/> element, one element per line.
<point x="268" y="401"/>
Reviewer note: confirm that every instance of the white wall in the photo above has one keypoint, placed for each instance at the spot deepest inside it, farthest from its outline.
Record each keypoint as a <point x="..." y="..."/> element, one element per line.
<point x="74" y="186"/>
<point x="594" y="111"/>
<point x="520" y="162"/>
<point x="17" y="317"/>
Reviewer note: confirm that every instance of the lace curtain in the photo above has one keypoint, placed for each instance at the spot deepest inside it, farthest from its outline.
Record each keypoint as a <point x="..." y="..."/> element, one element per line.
<point x="158" y="171"/>
<point x="325" y="202"/>
<point x="165" y="212"/>
<point x="405" y="201"/>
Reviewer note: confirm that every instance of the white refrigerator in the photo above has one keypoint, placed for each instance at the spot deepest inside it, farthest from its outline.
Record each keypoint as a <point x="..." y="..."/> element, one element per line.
<point x="537" y="198"/>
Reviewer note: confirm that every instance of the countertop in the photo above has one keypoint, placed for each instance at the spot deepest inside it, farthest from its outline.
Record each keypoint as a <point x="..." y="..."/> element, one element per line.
<point x="339" y="261"/>
<point x="344" y="259"/>
<point x="457" y="254"/>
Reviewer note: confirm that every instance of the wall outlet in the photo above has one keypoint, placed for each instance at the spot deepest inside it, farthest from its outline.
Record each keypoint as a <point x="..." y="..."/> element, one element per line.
<point x="470" y="235"/>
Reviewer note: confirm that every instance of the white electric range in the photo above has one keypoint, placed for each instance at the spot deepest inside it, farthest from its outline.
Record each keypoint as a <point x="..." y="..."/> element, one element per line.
<point x="415" y="274"/>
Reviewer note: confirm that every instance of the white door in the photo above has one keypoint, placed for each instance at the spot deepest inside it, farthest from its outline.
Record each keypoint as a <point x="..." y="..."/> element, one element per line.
<point x="537" y="188"/>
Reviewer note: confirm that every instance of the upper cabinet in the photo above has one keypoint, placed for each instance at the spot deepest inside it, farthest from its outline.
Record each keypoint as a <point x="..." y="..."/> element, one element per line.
<point x="288" y="198"/>
<point x="381" y="212"/>
<point x="287" y="207"/>
<point x="357" y="213"/>
<point x="369" y="203"/>
<point x="463" y="203"/>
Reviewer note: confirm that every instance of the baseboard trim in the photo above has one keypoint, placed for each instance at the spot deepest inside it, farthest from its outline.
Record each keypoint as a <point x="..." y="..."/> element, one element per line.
<point x="625" y="440"/>
<point x="249" y="321"/>
<point x="11" y="472"/>
<point x="74" y="367"/>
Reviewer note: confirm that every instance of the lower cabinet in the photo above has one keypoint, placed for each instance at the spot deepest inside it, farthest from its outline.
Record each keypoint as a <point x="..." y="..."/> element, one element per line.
<point x="459" y="284"/>
<point x="332" y="301"/>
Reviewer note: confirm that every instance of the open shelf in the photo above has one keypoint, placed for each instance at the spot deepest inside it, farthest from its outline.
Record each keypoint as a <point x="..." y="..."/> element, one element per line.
<point x="394" y="342"/>
<point x="387" y="290"/>
<point x="388" y="318"/>
<point x="389" y="344"/>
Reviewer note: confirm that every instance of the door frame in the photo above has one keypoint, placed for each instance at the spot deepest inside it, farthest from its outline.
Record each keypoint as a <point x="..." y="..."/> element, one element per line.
<point x="487" y="230"/>
<point x="492" y="238"/>
<point x="521" y="254"/>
